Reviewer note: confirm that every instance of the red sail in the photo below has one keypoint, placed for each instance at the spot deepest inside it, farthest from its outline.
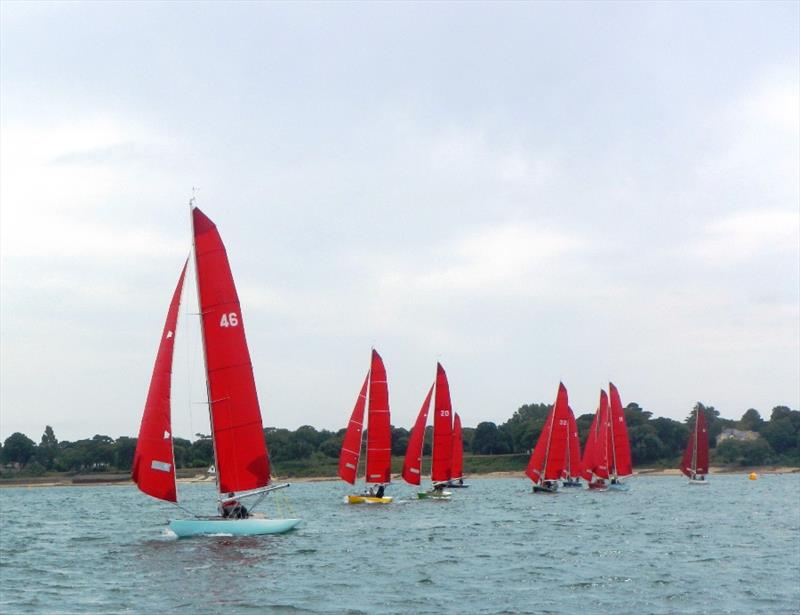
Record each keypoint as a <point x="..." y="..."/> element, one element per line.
<point x="548" y="458"/>
<point x="441" y="466"/>
<point x="621" y="455"/>
<point x="572" y="465"/>
<point x="597" y="446"/>
<point x="412" y="465"/>
<point x="589" y="449"/>
<point x="351" y="445"/>
<point x="702" y="443"/>
<point x="153" y="462"/>
<point x="379" y="434"/>
<point x="458" y="448"/>
<point x="239" y="446"/>
<point x="695" y="457"/>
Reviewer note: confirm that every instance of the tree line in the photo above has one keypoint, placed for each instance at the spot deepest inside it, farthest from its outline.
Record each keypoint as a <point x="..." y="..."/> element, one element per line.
<point x="654" y="441"/>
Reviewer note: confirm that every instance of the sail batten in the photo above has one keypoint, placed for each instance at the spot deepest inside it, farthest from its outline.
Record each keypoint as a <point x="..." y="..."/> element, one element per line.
<point x="153" y="468"/>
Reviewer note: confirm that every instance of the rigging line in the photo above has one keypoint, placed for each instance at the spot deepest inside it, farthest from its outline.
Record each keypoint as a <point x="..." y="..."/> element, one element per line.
<point x="186" y="510"/>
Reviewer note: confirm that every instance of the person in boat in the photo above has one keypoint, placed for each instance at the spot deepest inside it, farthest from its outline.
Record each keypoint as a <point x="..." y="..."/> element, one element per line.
<point x="548" y="484"/>
<point x="460" y="481"/>
<point x="438" y="489"/>
<point x="233" y="508"/>
<point x="379" y="492"/>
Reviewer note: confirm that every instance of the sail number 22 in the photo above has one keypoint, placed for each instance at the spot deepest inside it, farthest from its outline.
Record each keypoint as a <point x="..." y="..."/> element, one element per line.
<point x="229" y="320"/>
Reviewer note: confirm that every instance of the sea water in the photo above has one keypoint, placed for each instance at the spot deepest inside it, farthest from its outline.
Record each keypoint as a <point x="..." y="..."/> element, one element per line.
<point x="663" y="547"/>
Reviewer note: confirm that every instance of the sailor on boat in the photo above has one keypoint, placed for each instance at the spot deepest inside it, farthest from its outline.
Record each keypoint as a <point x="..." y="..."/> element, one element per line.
<point x="233" y="508"/>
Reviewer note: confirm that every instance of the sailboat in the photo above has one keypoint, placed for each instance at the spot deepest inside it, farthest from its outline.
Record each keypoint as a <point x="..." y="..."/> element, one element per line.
<point x="572" y="464"/>
<point x="374" y="395"/>
<point x="547" y="461"/>
<point x="695" y="458"/>
<point x="594" y="465"/>
<point x="620" y="446"/>
<point x="240" y="452"/>
<point x="457" y="482"/>
<point x="442" y="454"/>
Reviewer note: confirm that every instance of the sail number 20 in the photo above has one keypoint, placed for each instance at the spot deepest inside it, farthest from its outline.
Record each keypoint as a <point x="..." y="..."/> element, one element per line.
<point x="229" y="320"/>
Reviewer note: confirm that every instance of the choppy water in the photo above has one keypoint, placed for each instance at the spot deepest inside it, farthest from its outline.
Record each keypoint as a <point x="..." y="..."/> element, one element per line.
<point x="663" y="547"/>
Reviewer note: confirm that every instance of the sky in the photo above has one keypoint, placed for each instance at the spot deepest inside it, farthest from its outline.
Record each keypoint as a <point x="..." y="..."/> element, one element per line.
<point x="526" y="192"/>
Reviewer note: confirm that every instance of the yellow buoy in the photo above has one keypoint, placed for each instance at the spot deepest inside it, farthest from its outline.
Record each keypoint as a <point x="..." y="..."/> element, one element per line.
<point x="752" y="476"/>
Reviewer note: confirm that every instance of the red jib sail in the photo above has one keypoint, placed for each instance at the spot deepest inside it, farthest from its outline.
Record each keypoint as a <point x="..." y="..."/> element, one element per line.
<point x="548" y="457"/>
<point x="441" y="466"/>
<point x="239" y="446"/>
<point x="351" y="445"/>
<point x="379" y="434"/>
<point x="572" y="465"/>
<point x="154" y="462"/>
<point x="412" y="465"/>
<point x="695" y="457"/>
<point x="621" y="452"/>
<point x="458" y="448"/>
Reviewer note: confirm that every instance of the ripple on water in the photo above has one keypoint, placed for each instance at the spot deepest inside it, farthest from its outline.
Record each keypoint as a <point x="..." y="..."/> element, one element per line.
<point x="494" y="548"/>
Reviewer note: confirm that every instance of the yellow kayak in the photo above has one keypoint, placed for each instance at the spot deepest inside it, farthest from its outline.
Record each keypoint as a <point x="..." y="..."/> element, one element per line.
<point x="367" y="499"/>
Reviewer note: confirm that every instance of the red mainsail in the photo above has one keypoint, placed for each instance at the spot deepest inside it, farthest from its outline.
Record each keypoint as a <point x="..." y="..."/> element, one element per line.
<point x="549" y="456"/>
<point x="595" y="454"/>
<point x="458" y="448"/>
<point x="621" y="452"/>
<point x="695" y="457"/>
<point x="412" y="465"/>
<point x="572" y="465"/>
<point x="239" y="446"/>
<point x="587" y="461"/>
<point x="379" y="434"/>
<point x="351" y="445"/>
<point x="154" y="462"/>
<point x="441" y="466"/>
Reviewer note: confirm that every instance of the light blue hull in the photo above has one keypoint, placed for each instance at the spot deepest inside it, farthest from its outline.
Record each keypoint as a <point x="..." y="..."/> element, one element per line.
<point x="233" y="527"/>
<point x="617" y="487"/>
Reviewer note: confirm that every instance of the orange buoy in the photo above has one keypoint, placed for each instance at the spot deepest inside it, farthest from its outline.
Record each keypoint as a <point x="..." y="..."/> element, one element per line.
<point x="752" y="476"/>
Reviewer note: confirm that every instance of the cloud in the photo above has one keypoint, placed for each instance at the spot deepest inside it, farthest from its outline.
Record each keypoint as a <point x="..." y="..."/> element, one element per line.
<point x="486" y="261"/>
<point x="746" y="235"/>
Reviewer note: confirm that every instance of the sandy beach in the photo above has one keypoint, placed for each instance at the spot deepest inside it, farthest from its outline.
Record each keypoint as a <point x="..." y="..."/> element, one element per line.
<point x="103" y="481"/>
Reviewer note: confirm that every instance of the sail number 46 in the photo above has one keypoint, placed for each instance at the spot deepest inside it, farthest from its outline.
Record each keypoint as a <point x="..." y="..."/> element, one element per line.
<point x="229" y="320"/>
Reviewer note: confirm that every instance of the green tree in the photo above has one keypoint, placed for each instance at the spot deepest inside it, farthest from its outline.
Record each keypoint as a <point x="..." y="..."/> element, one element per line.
<point x="48" y="449"/>
<point x="751" y="421"/>
<point x="18" y="448"/>
<point x="672" y="434"/>
<point x="634" y="415"/>
<point x="781" y="434"/>
<point x="745" y="452"/>
<point x="124" y="449"/>
<point x="489" y="440"/>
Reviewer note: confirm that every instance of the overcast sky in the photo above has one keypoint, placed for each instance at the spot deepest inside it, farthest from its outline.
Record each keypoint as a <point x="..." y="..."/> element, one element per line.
<point x="527" y="193"/>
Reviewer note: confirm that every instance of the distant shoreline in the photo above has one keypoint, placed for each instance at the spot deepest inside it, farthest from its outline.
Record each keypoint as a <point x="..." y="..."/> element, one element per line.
<point x="107" y="481"/>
